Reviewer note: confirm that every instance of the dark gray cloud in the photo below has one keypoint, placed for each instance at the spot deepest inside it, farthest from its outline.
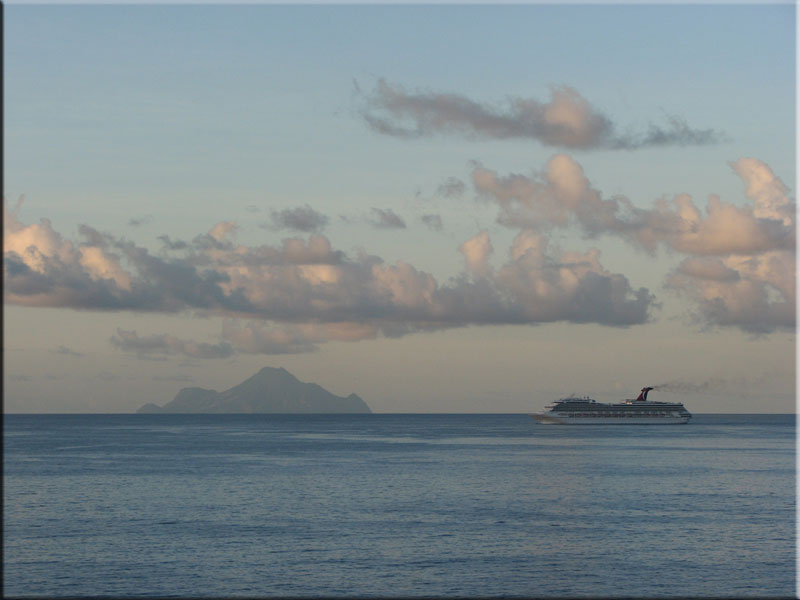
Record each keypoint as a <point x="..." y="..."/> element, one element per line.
<point x="740" y="385"/>
<point x="170" y="245"/>
<point x="303" y="218"/>
<point x="567" y="121"/>
<point x="130" y="341"/>
<point x="386" y="219"/>
<point x="175" y="378"/>
<point x="139" y="221"/>
<point x="67" y="351"/>
<point x="452" y="188"/>
<point x="433" y="221"/>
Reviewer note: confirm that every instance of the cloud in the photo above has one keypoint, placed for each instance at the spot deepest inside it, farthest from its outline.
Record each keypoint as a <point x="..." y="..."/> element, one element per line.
<point x="476" y="253"/>
<point x="178" y="378"/>
<point x="739" y="266"/>
<point x="260" y="338"/>
<point x="303" y="292"/>
<point x="139" y="221"/>
<point x="223" y="230"/>
<point x="130" y="341"/>
<point x="303" y="218"/>
<point x="754" y="293"/>
<point x="561" y="195"/>
<point x="769" y="194"/>
<point x="433" y="221"/>
<point x="170" y="245"/>
<point x="452" y="188"/>
<point x="568" y="120"/>
<point x="569" y="286"/>
<point x="751" y="283"/>
<point x="67" y="351"/>
<point x="533" y="287"/>
<point x="386" y="219"/>
<point x="43" y="269"/>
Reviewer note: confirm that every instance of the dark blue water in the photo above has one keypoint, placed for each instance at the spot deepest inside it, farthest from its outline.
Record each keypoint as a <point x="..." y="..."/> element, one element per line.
<point x="396" y="505"/>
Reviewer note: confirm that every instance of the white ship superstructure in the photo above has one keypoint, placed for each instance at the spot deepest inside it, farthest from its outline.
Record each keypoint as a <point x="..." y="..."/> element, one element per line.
<point x="641" y="411"/>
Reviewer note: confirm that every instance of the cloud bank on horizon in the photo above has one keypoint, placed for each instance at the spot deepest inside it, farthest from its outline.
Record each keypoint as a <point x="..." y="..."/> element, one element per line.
<point x="738" y="269"/>
<point x="567" y="121"/>
<point x="313" y="292"/>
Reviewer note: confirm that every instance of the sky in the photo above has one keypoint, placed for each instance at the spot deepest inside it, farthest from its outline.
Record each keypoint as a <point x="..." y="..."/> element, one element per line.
<point x="439" y="208"/>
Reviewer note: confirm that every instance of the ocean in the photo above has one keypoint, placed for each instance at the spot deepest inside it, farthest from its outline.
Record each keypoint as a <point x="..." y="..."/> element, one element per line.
<point x="397" y="505"/>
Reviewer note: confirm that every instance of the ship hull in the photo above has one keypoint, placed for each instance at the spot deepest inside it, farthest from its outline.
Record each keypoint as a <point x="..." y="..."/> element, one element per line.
<point x="551" y="419"/>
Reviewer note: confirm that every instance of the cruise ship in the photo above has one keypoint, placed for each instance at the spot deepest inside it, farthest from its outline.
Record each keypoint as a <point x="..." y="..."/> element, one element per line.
<point x="585" y="411"/>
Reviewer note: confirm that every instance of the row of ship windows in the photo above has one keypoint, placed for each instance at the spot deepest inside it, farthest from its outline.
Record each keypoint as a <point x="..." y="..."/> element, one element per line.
<point x="621" y="414"/>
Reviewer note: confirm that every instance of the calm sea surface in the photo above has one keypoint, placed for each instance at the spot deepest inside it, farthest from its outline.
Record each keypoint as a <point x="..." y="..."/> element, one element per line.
<point x="396" y="505"/>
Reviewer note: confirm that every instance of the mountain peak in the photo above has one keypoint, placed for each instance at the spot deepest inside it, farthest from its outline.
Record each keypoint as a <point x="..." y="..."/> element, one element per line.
<point x="273" y="371"/>
<point x="268" y="374"/>
<point x="271" y="390"/>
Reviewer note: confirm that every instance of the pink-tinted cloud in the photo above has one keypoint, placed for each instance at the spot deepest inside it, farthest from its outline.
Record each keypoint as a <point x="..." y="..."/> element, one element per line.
<point x="561" y="195"/>
<point x="307" y="291"/>
<point x="740" y="259"/>
<point x="754" y="293"/>
<point x="477" y="251"/>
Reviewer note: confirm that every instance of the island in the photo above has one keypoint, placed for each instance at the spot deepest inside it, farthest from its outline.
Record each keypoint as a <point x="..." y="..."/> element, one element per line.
<point x="270" y="390"/>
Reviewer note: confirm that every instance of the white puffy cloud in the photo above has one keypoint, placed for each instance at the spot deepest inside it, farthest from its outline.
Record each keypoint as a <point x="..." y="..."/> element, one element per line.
<point x="34" y="244"/>
<point x="476" y="252"/>
<point x="768" y="193"/>
<point x="37" y="257"/>
<point x="561" y="195"/>
<point x="222" y="230"/>
<point x="303" y="292"/>
<point x="551" y="286"/>
<point x="568" y="120"/>
<point x="100" y="265"/>
<point x="740" y="260"/>
<point x="754" y="293"/>
<point x="558" y="197"/>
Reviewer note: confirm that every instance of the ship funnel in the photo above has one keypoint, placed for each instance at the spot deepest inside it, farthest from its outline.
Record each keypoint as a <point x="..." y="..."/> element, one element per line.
<point x="643" y="394"/>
